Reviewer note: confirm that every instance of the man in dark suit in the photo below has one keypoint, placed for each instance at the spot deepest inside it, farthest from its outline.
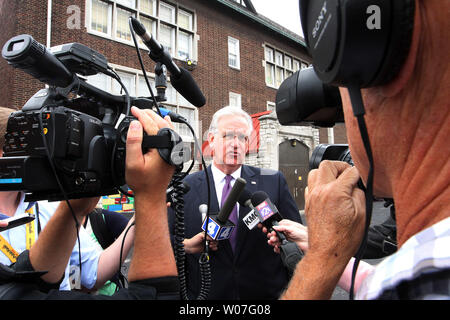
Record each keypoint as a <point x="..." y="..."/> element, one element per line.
<point x="251" y="270"/>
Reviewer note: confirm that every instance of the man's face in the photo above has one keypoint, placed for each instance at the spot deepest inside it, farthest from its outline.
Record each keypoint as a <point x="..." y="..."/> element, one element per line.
<point x="230" y="142"/>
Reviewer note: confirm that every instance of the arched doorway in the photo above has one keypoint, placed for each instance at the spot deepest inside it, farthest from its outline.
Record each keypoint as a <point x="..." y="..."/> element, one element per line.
<point x="293" y="162"/>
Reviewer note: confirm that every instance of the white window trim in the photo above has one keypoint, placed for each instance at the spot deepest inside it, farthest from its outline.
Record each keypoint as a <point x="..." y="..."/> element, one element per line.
<point x="238" y="58"/>
<point x="237" y="96"/>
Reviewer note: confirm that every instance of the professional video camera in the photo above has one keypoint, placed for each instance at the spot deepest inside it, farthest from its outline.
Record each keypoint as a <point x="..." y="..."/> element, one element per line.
<point x="68" y="141"/>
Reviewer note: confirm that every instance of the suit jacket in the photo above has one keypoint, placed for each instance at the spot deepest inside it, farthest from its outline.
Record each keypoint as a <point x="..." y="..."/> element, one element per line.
<point x="254" y="270"/>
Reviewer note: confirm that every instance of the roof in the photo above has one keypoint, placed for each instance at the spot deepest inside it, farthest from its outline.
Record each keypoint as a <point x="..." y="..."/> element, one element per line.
<point x="250" y="12"/>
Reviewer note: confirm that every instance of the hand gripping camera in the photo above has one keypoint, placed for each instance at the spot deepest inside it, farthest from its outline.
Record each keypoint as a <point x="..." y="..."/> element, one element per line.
<point x="69" y="139"/>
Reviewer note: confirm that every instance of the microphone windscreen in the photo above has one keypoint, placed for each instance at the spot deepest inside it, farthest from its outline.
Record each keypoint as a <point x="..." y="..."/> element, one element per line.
<point x="244" y="197"/>
<point x="258" y="197"/>
<point x="138" y="27"/>
<point x="188" y="88"/>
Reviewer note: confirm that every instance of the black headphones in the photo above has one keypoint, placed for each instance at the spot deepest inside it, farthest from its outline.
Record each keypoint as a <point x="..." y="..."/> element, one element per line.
<point x="361" y="43"/>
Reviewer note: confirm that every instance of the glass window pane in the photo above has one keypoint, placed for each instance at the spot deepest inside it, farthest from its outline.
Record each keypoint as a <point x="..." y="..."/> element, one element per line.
<point x="270" y="77"/>
<point x="128" y="3"/>
<point x="279" y="76"/>
<point x="99" y="80"/>
<point x="128" y="80"/>
<point x="122" y="27"/>
<point x="148" y="6"/>
<point x="185" y="19"/>
<point x="269" y="54"/>
<point x="171" y="94"/>
<point x="99" y="16"/>
<point x="184" y="45"/>
<point x="296" y="65"/>
<point x="233" y="52"/>
<point x="279" y="58"/>
<point x="143" y="89"/>
<point x="167" y="37"/>
<point x="288" y="62"/>
<point x="166" y="12"/>
<point x="189" y="114"/>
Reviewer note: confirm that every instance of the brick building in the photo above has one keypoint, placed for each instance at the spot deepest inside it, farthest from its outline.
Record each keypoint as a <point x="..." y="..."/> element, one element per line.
<point x="239" y="56"/>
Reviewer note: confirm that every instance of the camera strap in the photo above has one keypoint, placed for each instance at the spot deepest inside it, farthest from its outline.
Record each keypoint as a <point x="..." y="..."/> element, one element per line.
<point x="7" y="248"/>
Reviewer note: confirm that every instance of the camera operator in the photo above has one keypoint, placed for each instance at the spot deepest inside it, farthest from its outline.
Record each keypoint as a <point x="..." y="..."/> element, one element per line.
<point x="97" y="267"/>
<point x="408" y="123"/>
<point x="148" y="176"/>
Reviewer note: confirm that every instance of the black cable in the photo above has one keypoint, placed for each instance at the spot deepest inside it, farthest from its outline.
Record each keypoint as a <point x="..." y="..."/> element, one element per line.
<point x="142" y="67"/>
<point x="358" y="111"/>
<point x="47" y="151"/>
<point x="121" y="254"/>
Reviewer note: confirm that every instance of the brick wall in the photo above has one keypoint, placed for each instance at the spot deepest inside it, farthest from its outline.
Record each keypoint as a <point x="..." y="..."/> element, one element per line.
<point x="215" y="23"/>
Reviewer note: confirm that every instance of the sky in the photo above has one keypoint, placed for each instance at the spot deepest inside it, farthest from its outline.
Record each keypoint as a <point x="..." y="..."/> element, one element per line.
<point x="284" y="12"/>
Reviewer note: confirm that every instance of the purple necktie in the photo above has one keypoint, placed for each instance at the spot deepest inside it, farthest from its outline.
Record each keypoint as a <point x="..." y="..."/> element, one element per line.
<point x="233" y="215"/>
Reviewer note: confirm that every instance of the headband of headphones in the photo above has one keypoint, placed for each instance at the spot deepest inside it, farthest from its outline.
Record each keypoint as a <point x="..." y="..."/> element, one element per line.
<point x="363" y="43"/>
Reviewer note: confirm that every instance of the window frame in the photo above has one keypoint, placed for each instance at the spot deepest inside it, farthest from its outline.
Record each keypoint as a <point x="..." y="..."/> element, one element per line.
<point x="236" y="45"/>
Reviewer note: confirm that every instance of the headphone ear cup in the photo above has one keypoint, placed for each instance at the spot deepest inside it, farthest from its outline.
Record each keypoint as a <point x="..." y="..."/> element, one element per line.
<point x="346" y="50"/>
<point x="400" y="42"/>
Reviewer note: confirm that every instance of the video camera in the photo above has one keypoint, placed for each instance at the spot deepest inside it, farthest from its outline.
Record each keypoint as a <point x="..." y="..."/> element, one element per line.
<point x="68" y="141"/>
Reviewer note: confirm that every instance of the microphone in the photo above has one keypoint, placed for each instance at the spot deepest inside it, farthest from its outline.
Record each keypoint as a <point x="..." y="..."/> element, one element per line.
<point x="267" y="211"/>
<point x="219" y="227"/>
<point x="203" y="209"/>
<point x="269" y="216"/>
<point x="251" y="220"/>
<point x="181" y="79"/>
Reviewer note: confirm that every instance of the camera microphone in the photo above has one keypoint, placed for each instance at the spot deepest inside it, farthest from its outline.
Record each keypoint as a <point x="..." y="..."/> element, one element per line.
<point x="181" y="79"/>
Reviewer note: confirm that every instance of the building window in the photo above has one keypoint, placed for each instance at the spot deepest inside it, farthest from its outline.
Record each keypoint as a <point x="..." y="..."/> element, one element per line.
<point x="233" y="53"/>
<point x="279" y="65"/>
<point x="148" y="7"/>
<point x="235" y="99"/>
<point x="170" y="24"/>
<point x="122" y="27"/>
<point x="271" y="106"/>
<point x="101" y="13"/>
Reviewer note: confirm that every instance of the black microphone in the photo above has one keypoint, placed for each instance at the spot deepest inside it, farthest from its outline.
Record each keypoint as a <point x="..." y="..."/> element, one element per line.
<point x="269" y="216"/>
<point x="181" y="79"/>
<point x="267" y="211"/>
<point x="219" y="227"/>
<point x="231" y="200"/>
<point x="252" y="219"/>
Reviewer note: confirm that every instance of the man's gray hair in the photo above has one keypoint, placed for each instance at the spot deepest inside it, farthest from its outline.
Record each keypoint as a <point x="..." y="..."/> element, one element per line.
<point x="230" y="110"/>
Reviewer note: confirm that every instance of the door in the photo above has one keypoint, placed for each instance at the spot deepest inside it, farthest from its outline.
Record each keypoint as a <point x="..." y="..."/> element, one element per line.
<point x="294" y="164"/>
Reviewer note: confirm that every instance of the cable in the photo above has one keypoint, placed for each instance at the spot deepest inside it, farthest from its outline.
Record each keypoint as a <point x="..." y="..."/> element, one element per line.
<point x="122" y="278"/>
<point x="358" y="111"/>
<point x="47" y="151"/>
<point x="142" y="66"/>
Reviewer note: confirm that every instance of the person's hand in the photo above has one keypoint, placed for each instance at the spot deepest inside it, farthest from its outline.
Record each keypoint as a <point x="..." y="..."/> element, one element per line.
<point x="147" y="172"/>
<point x="196" y="243"/>
<point x="3" y="224"/>
<point x="81" y="207"/>
<point x="294" y="231"/>
<point x="335" y="210"/>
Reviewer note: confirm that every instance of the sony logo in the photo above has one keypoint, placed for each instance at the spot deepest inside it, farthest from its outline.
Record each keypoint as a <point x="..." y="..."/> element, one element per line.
<point x="318" y="23"/>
